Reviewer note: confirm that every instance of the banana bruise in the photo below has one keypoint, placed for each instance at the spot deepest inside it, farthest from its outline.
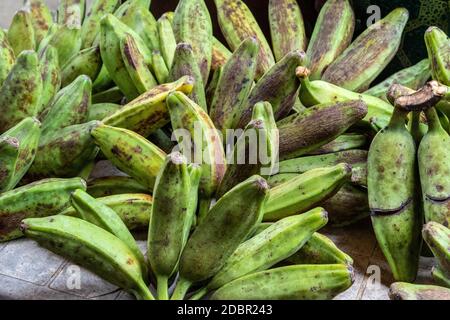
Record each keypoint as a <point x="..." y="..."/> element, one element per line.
<point x="114" y="185"/>
<point x="19" y="95"/>
<point x="21" y="33"/>
<point x="409" y="291"/>
<point x="101" y="111"/>
<point x="133" y="208"/>
<point x="319" y="282"/>
<point x="287" y="27"/>
<point x="41" y="18"/>
<point x="255" y="151"/>
<point x="220" y="54"/>
<point x="51" y="78"/>
<point x="134" y="62"/>
<point x="65" y="152"/>
<point x="305" y="191"/>
<point x="130" y="153"/>
<point x="234" y="85"/>
<point x="101" y="215"/>
<point x="169" y="218"/>
<point x="113" y="95"/>
<point x="434" y="168"/>
<point x="440" y="277"/>
<point x="90" y="29"/>
<point x="71" y="12"/>
<point x="28" y="201"/>
<point x="17" y="151"/>
<point x="344" y="142"/>
<point x="87" y="62"/>
<point x="319" y="249"/>
<point x="159" y="67"/>
<point x="70" y="106"/>
<point x="362" y="62"/>
<point x="192" y="24"/>
<point x="189" y="118"/>
<point x="413" y="77"/>
<point x="332" y="34"/>
<point x="185" y="64"/>
<point x="237" y="23"/>
<point x="316" y="92"/>
<point x="437" y="236"/>
<point x="305" y="132"/>
<point x="229" y="223"/>
<point x="149" y="112"/>
<point x="391" y="187"/>
<point x="438" y="47"/>
<point x="279" y="86"/>
<point x="7" y="57"/>
<point x="167" y="40"/>
<point x="91" y="247"/>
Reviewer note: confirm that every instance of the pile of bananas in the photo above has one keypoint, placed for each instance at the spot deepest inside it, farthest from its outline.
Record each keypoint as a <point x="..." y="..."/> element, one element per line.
<point x="114" y="83"/>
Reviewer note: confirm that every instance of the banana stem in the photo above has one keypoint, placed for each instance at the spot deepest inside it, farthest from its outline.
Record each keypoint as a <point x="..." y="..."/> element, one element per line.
<point x="181" y="289"/>
<point x="162" y="288"/>
<point x="204" y="205"/>
<point x="433" y="119"/>
<point x="143" y="293"/>
<point x="199" y="294"/>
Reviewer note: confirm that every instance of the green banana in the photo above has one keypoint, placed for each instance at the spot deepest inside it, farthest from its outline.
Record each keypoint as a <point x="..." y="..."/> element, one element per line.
<point x="332" y="34"/>
<point x="344" y="142"/>
<point x="42" y="198"/>
<point x="148" y="112"/>
<point x="167" y="40"/>
<point x="131" y="153"/>
<point x="185" y="64"/>
<point x="162" y="140"/>
<point x="206" y="144"/>
<point x="113" y="95"/>
<point x="20" y="93"/>
<point x="71" y="12"/>
<point x="67" y="41"/>
<point x="287" y="27"/>
<point x="103" y="81"/>
<point x="17" y="151"/>
<point x="409" y="291"/>
<point x="101" y="215"/>
<point x="440" y="277"/>
<point x="305" y="191"/>
<point x="41" y="18"/>
<point x="7" y="57"/>
<point x="134" y="62"/>
<point x="127" y="4"/>
<point x="101" y="111"/>
<point x="437" y="237"/>
<point x="319" y="249"/>
<point x="21" y="32"/>
<point x="279" y="86"/>
<point x="51" y="78"/>
<point x="114" y="185"/>
<point x="70" y="106"/>
<point x="220" y="54"/>
<point x="87" y="62"/>
<point x="302" y="133"/>
<point x="159" y="67"/>
<point x="319" y="282"/>
<point x="234" y="85"/>
<point x="438" y="44"/>
<point x="65" y="152"/>
<point x="90" y="29"/>
<point x="47" y="38"/>
<point x="87" y="170"/>
<point x="413" y="77"/>
<point x="134" y="209"/>
<point x="280" y="178"/>
<point x="229" y="222"/>
<point x="255" y="150"/>
<point x="319" y="92"/>
<point x="195" y="174"/>
<point x="91" y="247"/>
<point x="169" y="220"/>
<point x="212" y="87"/>
<point x="237" y="24"/>
<point x="362" y="62"/>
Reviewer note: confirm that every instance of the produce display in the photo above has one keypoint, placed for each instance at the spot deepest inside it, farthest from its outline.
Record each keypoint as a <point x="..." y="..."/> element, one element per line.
<point x="234" y="154"/>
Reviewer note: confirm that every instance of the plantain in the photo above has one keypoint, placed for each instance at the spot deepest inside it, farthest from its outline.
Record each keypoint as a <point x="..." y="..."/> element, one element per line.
<point x="131" y="153"/>
<point x="332" y="34"/>
<point x="103" y="81"/>
<point x="220" y="54"/>
<point x="91" y="247"/>
<point x="408" y="291"/>
<point x="7" y="57"/>
<point x="305" y="191"/>
<point x="71" y="12"/>
<point x="229" y="222"/>
<point x="21" y="32"/>
<point x="42" y="198"/>
<point x="167" y="40"/>
<point x="162" y="139"/>
<point x="17" y="149"/>
<point x="319" y="282"/>
<point x="159" y="67"/>
<point x="234" y="85"/>
<point x="438" y="47"/>
<point x="362" y="62"/>
<point x="237" y="23"/>
<point x="41" y="18"/>
<point x="66" y="40"/>
<point x="113" y="185"/>
<point x="192" y="24"/>
<point x="51" y="79"/>
<point x="112" y="95"/>
<point x="101" y="111"/>
<point x="20" y="93"/>
<point x="437" y="237"/>
<point x="344" y="142"/>
<point x="212" y="87"/>
<point x="87" y="62"/>
<point x="440" y="277"/>
<point x="126" y="5"/>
